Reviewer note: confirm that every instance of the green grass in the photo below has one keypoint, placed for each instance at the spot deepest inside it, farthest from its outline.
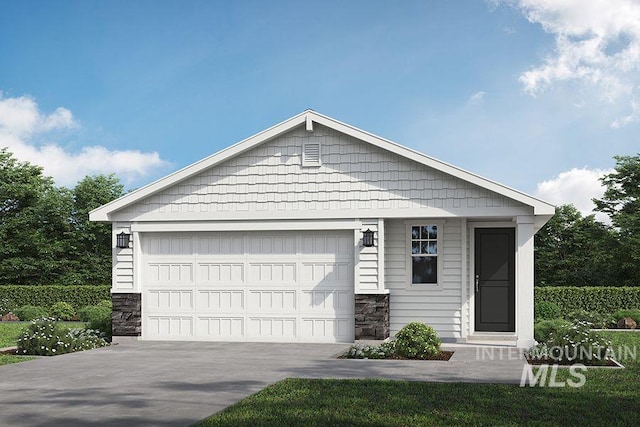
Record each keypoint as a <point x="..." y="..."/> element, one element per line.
<point x="609" y="397"/>
<point x="9" y="334"/>
<point x="7" y="359"/>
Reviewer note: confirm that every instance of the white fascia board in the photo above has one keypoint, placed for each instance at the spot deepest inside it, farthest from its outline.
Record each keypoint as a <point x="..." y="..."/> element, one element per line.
<point x="245" y="226"/>
<point x="427" y="212"/>
<point x="102" y="213"/>
<point x="540" y="207"/>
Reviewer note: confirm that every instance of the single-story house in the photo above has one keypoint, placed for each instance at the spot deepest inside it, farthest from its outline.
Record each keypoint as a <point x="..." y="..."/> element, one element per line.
<point x="316" y="231"/>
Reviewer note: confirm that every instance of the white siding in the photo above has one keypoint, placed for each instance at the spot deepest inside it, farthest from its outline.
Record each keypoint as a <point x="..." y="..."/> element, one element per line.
<point x="441" y="307"/>
<point x="369" y="268"/>
<point x="122" y="273"/>
<point x="353" y="176"/>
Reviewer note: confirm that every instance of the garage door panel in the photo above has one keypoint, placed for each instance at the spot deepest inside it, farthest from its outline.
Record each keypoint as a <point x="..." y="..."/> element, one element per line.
<point x="326" y="273"/>
<point x="227" y="244"/>
<point x="272" y="245"/>
<point x="220" y="301"/>
<point x="168" y="245"/>
<point x="333" y="301"/>
<point x="267" y="273"/>
<point x="169" y="326"/>
<point x="272" y="328"/>
<point x="333" y="245"/>
<point x="327" y="329"/>
<point x="227" y="328"/>
<point x="258" y="286"/>
<point x="169" y="300"/>
<point x="228" y="273"/>
<point x="169" y="273"/>
<point x="272" y="301"/>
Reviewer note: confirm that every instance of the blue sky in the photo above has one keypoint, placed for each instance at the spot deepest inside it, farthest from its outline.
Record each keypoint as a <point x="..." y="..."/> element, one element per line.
<point x="535" y="94"/>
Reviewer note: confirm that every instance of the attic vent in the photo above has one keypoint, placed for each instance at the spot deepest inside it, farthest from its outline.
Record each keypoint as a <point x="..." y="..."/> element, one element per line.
<point x="311" y="154"/>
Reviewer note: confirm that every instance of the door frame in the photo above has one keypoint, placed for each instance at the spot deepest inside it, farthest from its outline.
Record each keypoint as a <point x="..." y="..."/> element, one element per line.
<point x="471" y="268"/>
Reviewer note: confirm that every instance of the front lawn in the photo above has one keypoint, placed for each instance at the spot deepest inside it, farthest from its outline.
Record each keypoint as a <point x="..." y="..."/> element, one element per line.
<point x="609" y="397"/>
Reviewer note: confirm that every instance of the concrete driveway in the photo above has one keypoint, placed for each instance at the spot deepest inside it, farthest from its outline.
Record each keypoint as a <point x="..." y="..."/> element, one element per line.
<point x="175" y="384"/>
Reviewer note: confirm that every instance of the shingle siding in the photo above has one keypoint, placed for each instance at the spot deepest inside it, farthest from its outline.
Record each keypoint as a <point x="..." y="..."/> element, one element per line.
<point x="353" y="176"/>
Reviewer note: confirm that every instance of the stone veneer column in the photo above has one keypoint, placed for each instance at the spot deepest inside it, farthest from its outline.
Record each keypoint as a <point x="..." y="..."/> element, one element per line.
<point x="372" y="316"/>
<point x="126" y="316"/>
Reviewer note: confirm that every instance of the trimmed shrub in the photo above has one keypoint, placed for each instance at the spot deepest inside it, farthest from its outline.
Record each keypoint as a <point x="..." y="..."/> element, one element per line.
<point x="97" y="317"/>
<point x="417" y="341"/>
<point x="13" y="296"/>
<point x="62" y="311"/>
<point x="596" y="319"/>
<point x="602" y="299"/>
<point x="45" y="337"/>
<point x="30" y="312"/>
<point x="545" y="310"/>
<point x="543" y="329"/>
<point x="633" y="313"/>
<point x="105" y="303"/>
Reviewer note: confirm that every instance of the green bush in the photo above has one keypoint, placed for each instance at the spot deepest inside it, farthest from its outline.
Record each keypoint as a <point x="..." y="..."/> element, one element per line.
<point x="545" y="310"/>
<point x="598" y="320"/>
<point x="417" y="341"/>
<point x="13" y="296"/>
<point x="542" y="330"/>
<point x="62" y="311"/>
<point x="30" y="312"/>
<point x="633" y="313"/>
<point x="45" y="337"/>
<point x="602" y="299"/>
<point x="577" y="344"/>
<point x="105" y="303"/>
<point x="97" y="317"/>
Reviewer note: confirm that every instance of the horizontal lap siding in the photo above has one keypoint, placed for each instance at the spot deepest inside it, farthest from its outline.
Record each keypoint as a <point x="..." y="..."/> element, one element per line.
<point x="122" y="262"/>
<point x="440" y="308"/>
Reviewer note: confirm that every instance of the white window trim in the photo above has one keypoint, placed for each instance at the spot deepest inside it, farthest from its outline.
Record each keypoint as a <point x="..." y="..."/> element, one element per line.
<point x="440" y="255"/>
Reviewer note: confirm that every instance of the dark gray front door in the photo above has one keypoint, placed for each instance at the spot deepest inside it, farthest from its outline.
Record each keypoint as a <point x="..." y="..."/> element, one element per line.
<point x="495" y="269"/>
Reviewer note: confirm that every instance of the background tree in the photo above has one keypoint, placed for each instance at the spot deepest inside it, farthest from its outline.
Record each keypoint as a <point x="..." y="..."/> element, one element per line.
<point x="621" y="201"/>
<point x="92" y="241"/>
<point x="35" y="224"/>
<point x="572" y="250"/>
<point x="45" y="231"/>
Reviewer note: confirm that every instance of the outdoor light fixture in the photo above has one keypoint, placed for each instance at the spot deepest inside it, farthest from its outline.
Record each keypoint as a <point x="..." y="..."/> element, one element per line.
<point x="367" y="238"/>
<point x="122" y="240"/>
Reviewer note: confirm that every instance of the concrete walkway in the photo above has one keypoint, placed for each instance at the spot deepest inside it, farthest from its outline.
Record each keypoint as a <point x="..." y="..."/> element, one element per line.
<point x="175" y="384"/>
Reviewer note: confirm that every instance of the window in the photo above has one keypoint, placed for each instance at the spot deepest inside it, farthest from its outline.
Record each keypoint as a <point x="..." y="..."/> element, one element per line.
<point x="425" y="242"/>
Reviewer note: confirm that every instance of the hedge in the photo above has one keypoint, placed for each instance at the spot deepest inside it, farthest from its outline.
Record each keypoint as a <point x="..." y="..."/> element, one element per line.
<point x="600" y="299"/>
<point x="13" y="296"/>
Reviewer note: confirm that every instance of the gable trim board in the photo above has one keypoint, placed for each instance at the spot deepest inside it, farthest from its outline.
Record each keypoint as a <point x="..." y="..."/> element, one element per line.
<point x="261" y="188"/>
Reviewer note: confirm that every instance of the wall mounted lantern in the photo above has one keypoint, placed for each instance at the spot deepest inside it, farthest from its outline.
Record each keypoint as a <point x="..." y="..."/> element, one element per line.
<point x="122" y="240"/>
<point x="367" y="238"/>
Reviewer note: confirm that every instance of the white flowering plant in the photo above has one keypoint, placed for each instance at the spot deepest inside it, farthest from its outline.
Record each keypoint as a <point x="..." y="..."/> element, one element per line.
<point x="576" y="344"/>
<point x="382" y="351"/>
<point x="45" y="337"/>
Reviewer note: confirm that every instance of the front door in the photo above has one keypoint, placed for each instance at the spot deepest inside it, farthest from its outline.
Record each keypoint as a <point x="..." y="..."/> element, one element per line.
<point x="495" y="279"/>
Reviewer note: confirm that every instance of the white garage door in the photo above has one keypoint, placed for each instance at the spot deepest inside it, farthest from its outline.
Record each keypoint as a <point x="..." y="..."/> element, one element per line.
<point x="255" y="286"/>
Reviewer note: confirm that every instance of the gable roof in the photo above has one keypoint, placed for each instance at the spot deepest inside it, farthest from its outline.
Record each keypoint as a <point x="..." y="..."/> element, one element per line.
<point x="309" y="117"/>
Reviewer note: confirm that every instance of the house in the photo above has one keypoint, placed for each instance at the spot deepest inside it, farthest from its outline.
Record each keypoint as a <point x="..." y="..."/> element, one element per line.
<point x="316" y="231"/>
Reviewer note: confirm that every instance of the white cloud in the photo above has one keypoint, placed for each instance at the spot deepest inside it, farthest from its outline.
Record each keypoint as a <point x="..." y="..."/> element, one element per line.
<point x="597" y="43"/>
<point x="22" y="124"/>
<point x="476" y="98"/>
<point x="576" y="186"/>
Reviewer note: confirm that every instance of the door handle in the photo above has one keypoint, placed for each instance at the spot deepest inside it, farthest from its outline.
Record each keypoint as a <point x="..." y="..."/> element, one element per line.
<point x="477" y="283"/>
